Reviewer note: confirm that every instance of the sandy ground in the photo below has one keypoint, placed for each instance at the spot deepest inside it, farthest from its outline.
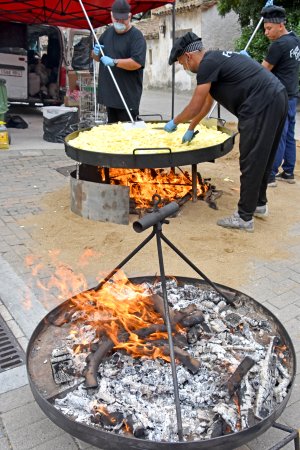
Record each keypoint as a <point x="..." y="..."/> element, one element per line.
<point x="225" y="256"/>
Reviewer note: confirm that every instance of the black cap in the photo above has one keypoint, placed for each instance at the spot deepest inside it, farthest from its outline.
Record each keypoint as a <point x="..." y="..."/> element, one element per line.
<point x="273" y="14"/>
<point x="120" y="9"/>
<point x="186" y="43"/>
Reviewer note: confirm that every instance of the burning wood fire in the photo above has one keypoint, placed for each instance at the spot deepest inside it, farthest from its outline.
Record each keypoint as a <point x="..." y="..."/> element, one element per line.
<point x="144" y="183"/>
<point x="233" y="366"/>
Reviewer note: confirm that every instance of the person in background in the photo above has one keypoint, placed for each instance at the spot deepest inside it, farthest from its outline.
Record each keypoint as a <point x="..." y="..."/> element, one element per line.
<point x="283" y="60"/>
<point x="251" y="93"/>
<point x="125" y="53"/>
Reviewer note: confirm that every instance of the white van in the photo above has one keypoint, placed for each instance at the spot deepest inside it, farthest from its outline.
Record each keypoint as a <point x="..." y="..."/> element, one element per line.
<point x="34" y="60"/>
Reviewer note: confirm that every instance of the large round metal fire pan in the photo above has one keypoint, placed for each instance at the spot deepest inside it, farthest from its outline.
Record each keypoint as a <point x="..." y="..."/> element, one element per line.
<point x="152" y="160"/>
<point x="45" y="338"/>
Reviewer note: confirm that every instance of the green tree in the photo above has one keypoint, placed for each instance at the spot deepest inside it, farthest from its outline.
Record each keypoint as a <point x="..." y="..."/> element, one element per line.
<point x="248" y="12"/>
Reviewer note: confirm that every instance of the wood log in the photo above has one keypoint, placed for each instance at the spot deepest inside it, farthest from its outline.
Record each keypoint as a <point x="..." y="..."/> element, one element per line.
<point x="192" y="364"/>
<point x="187" y="317"/>
<point x="136" y="429"/>
<point x="147" y="331"/>
<point x="61" y="316"/>
<point x="192" y="319"/>
<point x="93" y="360"/>
<point x="158" y="305"/>
<point x="235" y="379"/>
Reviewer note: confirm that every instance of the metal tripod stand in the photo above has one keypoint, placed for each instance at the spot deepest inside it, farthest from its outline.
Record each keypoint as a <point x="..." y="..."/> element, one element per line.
<point x="156" y="219"/>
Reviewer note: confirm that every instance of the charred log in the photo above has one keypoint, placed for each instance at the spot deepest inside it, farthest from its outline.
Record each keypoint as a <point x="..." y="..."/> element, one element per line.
<point x="158" y="305"/>
<point x="235" y="379"/>
<point x="188" y="317"/>
<point x="136" y="429"/>
<point x="217" y="428"/>
<point x="147" y="331"/>
<point x="99" y="351"/>
<point x="191" y="320"/>
<point x="93" y="360"/>
<point x="192" y="364"/>
<point x="61" y="316"/>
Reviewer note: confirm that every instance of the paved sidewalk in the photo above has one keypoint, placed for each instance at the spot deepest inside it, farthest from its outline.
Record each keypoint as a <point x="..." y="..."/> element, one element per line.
<point x="27" y="173"/>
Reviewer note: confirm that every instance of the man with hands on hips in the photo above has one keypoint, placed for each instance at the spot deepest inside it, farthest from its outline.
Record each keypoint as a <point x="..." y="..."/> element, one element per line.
<point x="124" y="47"/>
<point x="251" y="93"/>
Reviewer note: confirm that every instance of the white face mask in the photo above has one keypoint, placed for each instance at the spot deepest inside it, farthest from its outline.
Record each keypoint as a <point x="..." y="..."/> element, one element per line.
<point x="188" y="70"/>
<point x="190" y="74"/>
<point x="119" y="27"/>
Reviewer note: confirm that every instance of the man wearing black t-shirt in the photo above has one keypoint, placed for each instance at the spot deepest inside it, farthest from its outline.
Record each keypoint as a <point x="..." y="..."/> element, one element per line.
<point x="124" y="47"/>
<point x="252" y="94"/>
<point x="283" y="60"/>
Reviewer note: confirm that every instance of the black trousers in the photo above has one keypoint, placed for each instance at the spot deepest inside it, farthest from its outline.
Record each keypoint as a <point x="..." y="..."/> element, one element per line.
<point x="120" y="115"/>
<point x="259" y="139"/>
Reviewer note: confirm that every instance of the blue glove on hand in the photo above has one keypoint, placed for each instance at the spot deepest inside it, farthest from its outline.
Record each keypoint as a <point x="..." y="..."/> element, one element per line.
<point x="243" y="52"/>
<point x="96" y="49"/>
<point x="107" y="61"/>
<point x="188" y="136"/>
<point x="170" y="126"/>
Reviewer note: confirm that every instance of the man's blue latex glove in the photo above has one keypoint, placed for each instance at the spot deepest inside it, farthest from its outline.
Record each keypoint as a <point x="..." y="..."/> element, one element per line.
<point x="96" y="49"/>
<point x="107" y="61"/>
<point x="243" y="52"/>
<point x="188" y="136"/>
<point x="170" y="126"/>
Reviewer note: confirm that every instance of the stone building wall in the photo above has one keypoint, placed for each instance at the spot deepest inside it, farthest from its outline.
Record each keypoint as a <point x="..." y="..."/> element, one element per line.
<point x="216" y="32"/>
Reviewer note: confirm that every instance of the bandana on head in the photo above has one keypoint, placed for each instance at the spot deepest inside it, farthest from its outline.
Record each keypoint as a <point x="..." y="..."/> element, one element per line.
<point x="193" y="47"/>
<point x="190" y="42"/>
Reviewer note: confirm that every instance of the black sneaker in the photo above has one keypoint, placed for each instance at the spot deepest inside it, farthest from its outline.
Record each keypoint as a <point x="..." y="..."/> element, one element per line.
<point x="288" y="177"/>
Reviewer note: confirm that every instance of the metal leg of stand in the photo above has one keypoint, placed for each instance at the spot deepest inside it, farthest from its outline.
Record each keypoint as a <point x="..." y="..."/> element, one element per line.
<point x="293" y="436"/>
<point x="77" y="170"/>
<point x="198" y="271"/>
<point x="157" y="232"/>
<point x="128" y="258"/>
<point x="169" y="329"/>
<point x="106" y="175"/>
<point x="194" y="182"/>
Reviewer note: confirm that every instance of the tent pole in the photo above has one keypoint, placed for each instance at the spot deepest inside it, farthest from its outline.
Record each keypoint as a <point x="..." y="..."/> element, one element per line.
<point x="173" y="65"/>
<point x="109" y="69"/>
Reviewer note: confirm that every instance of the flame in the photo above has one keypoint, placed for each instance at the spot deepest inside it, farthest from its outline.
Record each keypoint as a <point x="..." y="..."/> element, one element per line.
<point x="118" y="310"/>
<point x="100" y="409"/>
<point x="238" y="407"/>
<point x="127" y="428"/>
<point x="144" y="183"/>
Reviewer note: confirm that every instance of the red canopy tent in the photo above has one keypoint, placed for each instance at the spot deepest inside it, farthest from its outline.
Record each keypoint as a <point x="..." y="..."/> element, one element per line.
<point x="68" y="13"/>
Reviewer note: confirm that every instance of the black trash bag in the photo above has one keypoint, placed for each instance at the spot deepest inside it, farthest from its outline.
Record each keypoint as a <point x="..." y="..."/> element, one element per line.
<point x="15" y="122"/>
<point x="57" y="128"/>
<point x="82" y="54"/>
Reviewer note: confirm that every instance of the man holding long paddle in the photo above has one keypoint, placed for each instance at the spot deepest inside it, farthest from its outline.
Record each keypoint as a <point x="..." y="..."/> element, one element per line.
<point x="125" y="54"/>
<point x="251" y="93"/>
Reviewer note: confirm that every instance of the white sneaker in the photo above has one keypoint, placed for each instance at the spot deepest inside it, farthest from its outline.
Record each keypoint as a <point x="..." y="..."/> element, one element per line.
<point x="237" y="223"/>
<point x="261" y="211"/>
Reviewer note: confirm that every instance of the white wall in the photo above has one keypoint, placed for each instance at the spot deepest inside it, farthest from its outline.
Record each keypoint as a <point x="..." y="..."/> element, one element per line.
<point x="215" y="31"/>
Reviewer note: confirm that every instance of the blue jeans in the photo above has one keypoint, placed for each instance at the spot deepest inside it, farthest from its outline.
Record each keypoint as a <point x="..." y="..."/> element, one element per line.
<point x="286" y="151"/>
